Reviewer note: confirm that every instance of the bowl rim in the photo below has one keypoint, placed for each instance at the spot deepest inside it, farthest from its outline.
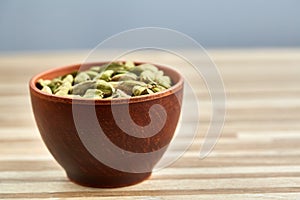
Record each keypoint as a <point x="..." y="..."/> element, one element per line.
<point x="51" y="97"/>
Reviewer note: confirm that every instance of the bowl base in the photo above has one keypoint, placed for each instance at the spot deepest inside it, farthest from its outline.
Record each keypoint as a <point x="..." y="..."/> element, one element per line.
<point x="109" y="182"/>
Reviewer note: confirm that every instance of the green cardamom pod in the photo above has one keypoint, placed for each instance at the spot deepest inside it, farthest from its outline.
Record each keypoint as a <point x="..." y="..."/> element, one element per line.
<point x="138" y="90"/>
<point x="47" y="89"/>
<point x="69" y="78"/>
<point x="64" y="89"/>
<point x="93" y="93"/>
<point x="149" y="91"/>
<point x="164" y="81"/>
<point x="127" y="86"/>
<point x="124" y="77"/>
<point x="115" y="67"/>
<point x="148" y="67"/>
<point x="92" y="74"/>
<point x="136" y="70"/>
<point x="158" y="88"/>
<point x="105" y="87"/>
<point x="159" y="73"/>
<point x="129" y="65"/>
<point x="81" y="77"/>
<point x="119" y="94"/>
<point x="66" y="85"/>
<point x="141" y="90"/>
<point x="121" y="72"/>
<point x="55" y="84"/>
<point x="95" y="68"/>
<point x="114" y="83"/>
<point x="81" y="88"/>
<point x="43" y="82"/>
<point x="147" y="76"/>
<point x="105" y="75"/>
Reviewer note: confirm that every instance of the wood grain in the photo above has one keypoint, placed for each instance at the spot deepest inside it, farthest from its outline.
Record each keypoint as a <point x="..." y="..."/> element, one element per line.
<point x="256" y="157"/>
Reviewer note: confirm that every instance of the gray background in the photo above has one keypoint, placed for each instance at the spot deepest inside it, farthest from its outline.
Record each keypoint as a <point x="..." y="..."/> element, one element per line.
<point x="74" y="24"/>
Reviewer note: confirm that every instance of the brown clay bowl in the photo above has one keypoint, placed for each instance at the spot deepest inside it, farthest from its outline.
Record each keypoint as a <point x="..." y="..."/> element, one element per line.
<point x="111" y="157"/>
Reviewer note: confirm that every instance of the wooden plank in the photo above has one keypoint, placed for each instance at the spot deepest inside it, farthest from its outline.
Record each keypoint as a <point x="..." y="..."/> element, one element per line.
<point x="167" y="173"/>
<point x="153" y="185"/>
<point x="264" y="196"/>
<point x="256" y="157"/>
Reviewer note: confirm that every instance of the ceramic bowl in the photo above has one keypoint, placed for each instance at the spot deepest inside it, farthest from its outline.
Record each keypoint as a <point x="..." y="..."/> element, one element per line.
<point x="104" y="154"/>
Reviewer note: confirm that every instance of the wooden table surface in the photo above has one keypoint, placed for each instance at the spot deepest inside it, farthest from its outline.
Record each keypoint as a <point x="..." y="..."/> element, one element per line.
<point x="256" y="157"/>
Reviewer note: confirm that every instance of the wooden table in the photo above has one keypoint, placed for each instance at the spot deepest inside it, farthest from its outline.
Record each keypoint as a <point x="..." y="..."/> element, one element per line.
<point x="257" y="156"/>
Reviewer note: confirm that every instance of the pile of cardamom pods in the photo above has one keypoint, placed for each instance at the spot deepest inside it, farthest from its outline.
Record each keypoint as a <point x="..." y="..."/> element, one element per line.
<point x="114" y="80"/>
